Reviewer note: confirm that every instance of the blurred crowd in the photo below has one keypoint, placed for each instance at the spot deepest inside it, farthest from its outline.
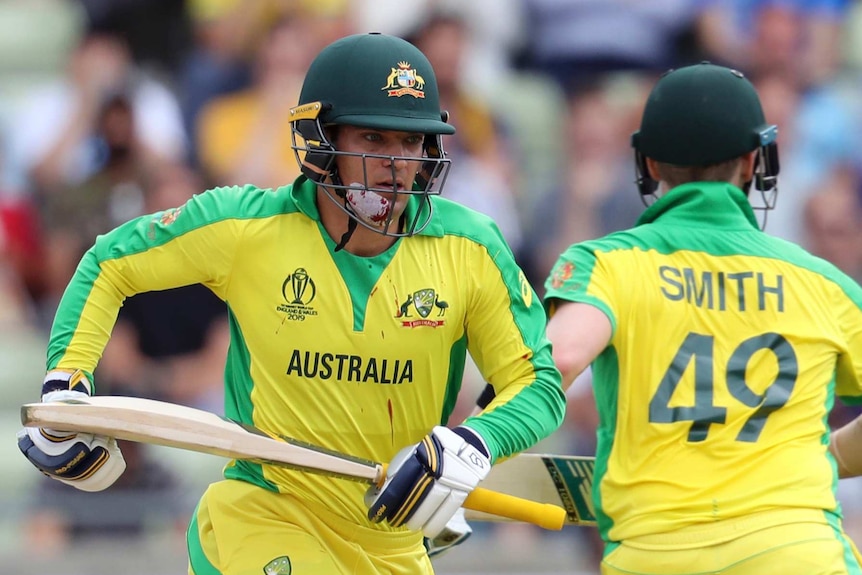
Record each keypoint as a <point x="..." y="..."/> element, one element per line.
<point x="110" y="109"/>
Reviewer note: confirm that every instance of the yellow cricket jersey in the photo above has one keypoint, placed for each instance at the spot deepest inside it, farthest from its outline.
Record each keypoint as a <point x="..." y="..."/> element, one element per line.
<point x="363" y="355"/>
<point x="728" y="349"/>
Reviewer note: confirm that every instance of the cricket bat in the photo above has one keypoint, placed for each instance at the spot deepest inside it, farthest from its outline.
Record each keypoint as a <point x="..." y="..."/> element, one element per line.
<point x="562" y="480"/>
<point x="172" y="425"/>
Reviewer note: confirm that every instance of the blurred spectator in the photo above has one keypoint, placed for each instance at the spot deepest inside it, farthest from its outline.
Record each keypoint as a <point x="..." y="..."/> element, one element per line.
<point x="21" y="249"/>
<point x="245" y="137"/>
<point x="171" y="344"/>
<point x="20" y="254"/>
<point x="833" y="221"/>
<point x="227" y="37"/>
<point x="596" y="194"/>
<point x="52" y="138"/>
<point x="111" y="195"/>
<point x="818" y="131"/>
<point x="329" y="19"/>
<point x="482" y="168"/>
<point x="570" y="40"/>
<point x="799" y="37"/>
<point x="158" y="32"/>
<point x="73" y="215"/>
<point x="496" y="31"/>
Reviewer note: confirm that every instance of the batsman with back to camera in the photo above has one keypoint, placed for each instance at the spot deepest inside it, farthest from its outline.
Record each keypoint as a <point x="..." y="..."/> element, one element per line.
<point x="354" y="295"/>
<point x="713" y="379"/>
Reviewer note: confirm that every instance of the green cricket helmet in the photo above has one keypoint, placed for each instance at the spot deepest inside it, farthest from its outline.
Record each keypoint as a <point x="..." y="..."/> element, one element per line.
<point x="372" y="81"/>
<point x="703" y="115"/>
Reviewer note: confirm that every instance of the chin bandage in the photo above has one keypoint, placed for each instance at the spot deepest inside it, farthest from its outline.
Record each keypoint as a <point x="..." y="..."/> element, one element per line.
<point x="370" y="206"/>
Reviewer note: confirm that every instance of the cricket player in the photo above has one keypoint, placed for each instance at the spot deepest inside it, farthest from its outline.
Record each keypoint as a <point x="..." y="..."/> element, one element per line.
<point x="354" y="295"/>
<point x="717" y="352"/>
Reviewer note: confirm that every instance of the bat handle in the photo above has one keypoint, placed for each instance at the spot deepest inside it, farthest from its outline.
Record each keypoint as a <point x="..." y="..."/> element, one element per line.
<point x="542" y="514"/>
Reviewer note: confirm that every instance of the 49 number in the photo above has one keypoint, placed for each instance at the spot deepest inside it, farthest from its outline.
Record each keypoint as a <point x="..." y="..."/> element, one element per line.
<point x="699" y="348"/>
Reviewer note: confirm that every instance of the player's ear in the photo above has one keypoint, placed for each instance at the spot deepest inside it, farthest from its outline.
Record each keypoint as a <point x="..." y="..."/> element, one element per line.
<point x="748" y="163"/>
<point x="652" y="169"/>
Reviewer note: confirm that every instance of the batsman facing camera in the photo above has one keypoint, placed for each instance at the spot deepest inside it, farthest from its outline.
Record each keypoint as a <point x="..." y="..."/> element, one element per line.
<point x="338" y="91"/>
<point x="354" y="259"/>
<point x="84" y="461"/>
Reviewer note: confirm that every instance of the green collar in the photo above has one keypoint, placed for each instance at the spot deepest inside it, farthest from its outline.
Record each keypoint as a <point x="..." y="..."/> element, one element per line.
<point x="304" y="195"/>
<point x="699" y="204"/>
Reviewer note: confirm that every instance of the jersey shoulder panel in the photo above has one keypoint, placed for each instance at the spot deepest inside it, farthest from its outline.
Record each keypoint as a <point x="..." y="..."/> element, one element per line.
<point x="210" y="207"/>
<point x="243" y="202"/>
<point x="573" y="274"/>
<point x="796" y="255"/>
<point x="458" y="220"/>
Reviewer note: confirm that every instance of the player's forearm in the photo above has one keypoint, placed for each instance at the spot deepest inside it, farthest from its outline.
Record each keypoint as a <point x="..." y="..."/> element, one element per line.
<point x="579" y="332"/>
<point x="846" y="447"/>
<point x="523" y="419"/>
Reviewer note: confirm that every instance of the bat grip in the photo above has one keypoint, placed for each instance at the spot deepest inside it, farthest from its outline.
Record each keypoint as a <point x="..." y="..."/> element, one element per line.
<point x="544" y="515"/>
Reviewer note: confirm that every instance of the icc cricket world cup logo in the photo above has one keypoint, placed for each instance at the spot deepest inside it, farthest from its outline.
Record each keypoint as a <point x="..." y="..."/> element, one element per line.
<point x="298" y="291"/>
<point x="302" y="288"/>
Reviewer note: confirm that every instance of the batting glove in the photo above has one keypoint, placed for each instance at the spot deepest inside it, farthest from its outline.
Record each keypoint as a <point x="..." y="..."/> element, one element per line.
<point x="85" y="461"/>
<point x="427" y="483"/>
<point x="456" y="531"/>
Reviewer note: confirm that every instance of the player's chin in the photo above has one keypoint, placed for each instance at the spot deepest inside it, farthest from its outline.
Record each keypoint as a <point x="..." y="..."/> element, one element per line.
<point x="399" y="207"/>
<point x="389" y="221"/>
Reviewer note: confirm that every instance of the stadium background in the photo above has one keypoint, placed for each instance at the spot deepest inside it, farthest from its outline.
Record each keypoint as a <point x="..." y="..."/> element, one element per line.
<point x="113" y="108"/>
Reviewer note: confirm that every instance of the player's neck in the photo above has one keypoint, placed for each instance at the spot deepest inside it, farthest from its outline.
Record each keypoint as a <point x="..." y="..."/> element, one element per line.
<point x="366" y="243"/>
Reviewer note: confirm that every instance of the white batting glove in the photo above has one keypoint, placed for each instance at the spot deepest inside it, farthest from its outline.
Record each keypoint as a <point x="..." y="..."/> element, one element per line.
<point x="427" y="483"/>
<point x="85" y="461"/>
<point x="456" y="531"/>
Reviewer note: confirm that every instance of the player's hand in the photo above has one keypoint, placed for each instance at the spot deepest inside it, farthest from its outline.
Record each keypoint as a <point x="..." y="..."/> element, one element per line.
<point x="456" y="531"/>
<point x="427" y="483"/>
<point x="85" y="461"/>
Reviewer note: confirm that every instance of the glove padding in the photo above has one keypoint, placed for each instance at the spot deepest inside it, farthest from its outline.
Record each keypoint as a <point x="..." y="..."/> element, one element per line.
<point x="455" y="532"/>
<point x="85" y="461"/>
<point x="427" y="483"/>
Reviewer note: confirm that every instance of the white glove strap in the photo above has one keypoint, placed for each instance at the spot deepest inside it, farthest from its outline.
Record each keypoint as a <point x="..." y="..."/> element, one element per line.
<point x="69" y="379"/>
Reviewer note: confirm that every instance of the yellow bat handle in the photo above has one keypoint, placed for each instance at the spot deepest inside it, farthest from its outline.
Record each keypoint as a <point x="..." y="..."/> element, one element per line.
<point x="544" y="515"/>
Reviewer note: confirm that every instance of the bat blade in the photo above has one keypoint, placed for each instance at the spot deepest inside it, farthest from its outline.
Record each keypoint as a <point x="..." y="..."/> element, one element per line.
<point x="161" y="423"/>
<point x="560" y="480"/>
